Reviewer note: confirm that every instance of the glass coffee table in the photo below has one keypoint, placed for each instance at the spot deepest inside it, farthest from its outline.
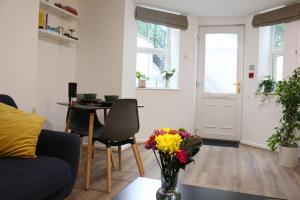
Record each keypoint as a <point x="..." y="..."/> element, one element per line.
<point x="145" y="189"/>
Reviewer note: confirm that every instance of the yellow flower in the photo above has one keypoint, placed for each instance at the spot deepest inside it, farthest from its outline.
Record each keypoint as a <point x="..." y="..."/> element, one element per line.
<point x="166" y="130"/>
<point x="168" y="143"/>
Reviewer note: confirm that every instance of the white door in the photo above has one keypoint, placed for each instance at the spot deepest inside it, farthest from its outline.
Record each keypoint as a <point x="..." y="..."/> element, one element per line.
<point x="219" y="82"/>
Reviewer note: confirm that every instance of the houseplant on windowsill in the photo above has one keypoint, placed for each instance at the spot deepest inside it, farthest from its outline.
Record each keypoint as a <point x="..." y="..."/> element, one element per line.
<point x="142" y="78"/>
<point x="266" y="87"/>
<point x="285" y="138"/>
<point x="167" y="75"/>
<point x="176" y="149"/>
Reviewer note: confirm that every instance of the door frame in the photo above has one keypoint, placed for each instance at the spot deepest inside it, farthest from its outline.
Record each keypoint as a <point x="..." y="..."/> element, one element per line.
<point x="200" y="69"/>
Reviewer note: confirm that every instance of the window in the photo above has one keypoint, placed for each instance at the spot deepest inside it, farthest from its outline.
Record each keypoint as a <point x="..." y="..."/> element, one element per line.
<point x="157" y="51"/>
<point x="277" y="46"/>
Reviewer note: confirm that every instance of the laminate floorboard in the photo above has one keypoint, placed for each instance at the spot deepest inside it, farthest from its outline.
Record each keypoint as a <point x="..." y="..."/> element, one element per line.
<point x="244" y="169"/>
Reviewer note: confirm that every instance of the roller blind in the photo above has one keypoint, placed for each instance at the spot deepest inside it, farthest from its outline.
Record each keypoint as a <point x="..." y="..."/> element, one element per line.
<point x="281" y="15"/>
<point x="162" y="18"/>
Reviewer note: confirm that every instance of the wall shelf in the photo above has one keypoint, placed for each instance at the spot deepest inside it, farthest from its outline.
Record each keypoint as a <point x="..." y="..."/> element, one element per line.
<point x="56" y="36"/>
<point x="58" y="11"/>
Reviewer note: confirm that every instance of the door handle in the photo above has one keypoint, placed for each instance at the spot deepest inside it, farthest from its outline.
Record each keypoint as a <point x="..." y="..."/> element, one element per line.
<point x="238" y="87"/>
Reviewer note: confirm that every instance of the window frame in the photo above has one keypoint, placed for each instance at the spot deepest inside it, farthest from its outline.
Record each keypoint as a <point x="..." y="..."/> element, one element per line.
<point x="275" y="53"/>
<point x="158" y="51"/>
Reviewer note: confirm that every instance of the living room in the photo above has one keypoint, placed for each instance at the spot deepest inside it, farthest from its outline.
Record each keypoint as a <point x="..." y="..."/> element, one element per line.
<point x="168" y="55"/>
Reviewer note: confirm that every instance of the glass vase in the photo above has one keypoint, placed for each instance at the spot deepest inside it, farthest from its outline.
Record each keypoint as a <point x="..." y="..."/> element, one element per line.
<point x="167" y="83"/>
<point x="168" y="189"/>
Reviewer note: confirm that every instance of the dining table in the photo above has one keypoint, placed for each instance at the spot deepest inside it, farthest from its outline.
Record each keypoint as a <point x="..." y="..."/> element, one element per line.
<point x="91" y="107"/>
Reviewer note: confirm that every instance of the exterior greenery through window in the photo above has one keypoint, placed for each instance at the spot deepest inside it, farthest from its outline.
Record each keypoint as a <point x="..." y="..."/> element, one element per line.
<point x="277" y="46"/>
<point x="154" y="53"/>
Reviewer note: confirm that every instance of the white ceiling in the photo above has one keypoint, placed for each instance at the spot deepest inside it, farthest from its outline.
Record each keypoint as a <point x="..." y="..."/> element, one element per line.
<point x="214" y="8"/>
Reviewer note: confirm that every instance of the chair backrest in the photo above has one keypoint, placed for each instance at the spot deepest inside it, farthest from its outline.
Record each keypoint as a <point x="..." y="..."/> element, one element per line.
<point x="122" y="121"/>
<point x="7" y="100"/>
<point x="80" y="120"/>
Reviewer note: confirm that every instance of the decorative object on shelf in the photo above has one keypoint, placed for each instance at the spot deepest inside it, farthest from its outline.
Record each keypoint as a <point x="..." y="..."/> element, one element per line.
<point x="266" y="87"/>
<point x="142" y="78"/>
<point x="60" y="30"/>
<point x="53" y="29"/>
<point x="59" y="5"/>
<point x="67" y="8"/>
<point x="167" y="75"/>
<point x="70" y="10"/>
<point x="285" y="137"/>
<point x="176" y="149"/>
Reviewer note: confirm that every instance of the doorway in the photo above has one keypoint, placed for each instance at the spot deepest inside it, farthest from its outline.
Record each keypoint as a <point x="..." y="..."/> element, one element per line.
<point x="219" y="82"/>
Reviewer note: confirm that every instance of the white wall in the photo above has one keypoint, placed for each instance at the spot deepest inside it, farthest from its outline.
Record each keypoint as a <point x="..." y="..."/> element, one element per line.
<point x="259" y="120"/>
<point x="18" y="51"/>
<point x="173" y="108"/>
<point x="100" y="54"/>
<point x="56" y="67"/>
<point x="129" y="51"/>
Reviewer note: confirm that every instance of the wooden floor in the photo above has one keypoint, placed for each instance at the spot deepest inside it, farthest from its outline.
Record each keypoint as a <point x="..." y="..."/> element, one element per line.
<point x="244" y="169"/>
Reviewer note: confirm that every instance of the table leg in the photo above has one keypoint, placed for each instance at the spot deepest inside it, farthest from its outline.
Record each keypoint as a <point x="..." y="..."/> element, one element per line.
<point x="70" y="115"/>
<point x="89" y="151"/>
<point x="105" y="114"/>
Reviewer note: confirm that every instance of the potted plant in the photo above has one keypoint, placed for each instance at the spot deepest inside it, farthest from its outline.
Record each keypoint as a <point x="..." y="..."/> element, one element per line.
<point x="266" y="87"/>
<point x="176" y="149"/>
<point x="285" y="137"/>
<point x="142" y="78"/>
<point x="167" y="75"/>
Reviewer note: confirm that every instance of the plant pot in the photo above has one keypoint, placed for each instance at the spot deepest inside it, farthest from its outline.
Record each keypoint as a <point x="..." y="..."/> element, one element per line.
<point x="288" y="156"/>
<point x="142" y="83"/>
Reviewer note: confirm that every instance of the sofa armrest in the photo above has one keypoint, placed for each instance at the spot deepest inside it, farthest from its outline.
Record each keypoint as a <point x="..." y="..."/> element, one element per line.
<point x="60" y="145"/>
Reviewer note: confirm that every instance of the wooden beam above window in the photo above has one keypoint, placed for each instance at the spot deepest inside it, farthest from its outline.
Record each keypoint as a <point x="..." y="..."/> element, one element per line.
<point x="278" y="16"/>
<point x="161" y="18"/>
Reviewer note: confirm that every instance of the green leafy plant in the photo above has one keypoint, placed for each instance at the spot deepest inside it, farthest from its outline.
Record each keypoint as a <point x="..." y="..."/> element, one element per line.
<point x="267" y="85"/>
<point x="288" y="95"/>
<point x="167" y="74"/>
<point x="141" y="76"/>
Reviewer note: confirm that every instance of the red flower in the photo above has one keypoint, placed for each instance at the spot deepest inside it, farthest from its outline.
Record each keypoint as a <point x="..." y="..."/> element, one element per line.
<point x="182" y="156"/>
<point x="150" y="143"/>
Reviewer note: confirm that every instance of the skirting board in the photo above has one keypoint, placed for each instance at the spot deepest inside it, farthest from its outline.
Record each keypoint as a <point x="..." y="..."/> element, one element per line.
<point x="253" y="144"/>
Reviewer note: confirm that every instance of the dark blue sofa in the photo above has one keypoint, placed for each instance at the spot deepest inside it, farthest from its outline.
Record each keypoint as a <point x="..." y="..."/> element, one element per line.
<point x="50" y="176"/>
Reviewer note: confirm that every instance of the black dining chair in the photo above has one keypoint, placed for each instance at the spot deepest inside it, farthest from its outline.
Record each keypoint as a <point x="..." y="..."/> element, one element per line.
<point x="121" y="125"/>
<point x="80" y="125"/>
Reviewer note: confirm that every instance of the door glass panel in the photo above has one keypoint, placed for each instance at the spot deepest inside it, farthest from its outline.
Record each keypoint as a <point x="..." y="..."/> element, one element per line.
<point x="220" y="63"/>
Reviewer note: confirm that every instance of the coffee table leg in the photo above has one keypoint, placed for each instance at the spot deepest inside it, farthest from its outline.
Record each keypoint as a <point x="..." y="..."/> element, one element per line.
<point x="90" y="146"/>
<point x="70" y="115"/>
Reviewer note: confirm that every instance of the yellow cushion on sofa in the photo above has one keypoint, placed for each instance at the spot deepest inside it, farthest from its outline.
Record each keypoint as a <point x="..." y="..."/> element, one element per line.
<point x="19" y="132"/>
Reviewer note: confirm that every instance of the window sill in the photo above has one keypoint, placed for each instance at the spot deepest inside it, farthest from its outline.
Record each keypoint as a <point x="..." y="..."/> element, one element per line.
<point x="164" y="89"/>
<point x="261" y="93"/>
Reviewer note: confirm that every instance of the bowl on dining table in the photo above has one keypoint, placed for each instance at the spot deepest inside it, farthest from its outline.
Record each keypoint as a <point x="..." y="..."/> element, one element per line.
<point x="90" y="96"/>
<point x="111" y="98"/>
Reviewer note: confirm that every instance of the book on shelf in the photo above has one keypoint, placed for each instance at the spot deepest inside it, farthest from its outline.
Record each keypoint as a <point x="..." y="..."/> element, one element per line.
<point x="43" y="19"/>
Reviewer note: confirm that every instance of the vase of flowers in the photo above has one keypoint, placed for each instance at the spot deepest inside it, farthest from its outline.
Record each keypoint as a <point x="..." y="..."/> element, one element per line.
<point x="167" y="75"/>
<point x="175" y="150"/>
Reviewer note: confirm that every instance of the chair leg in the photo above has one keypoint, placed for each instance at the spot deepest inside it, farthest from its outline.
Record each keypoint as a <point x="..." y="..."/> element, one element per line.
<point x="108" y="169"/>
<point x="140" y="159"/>
<point x="139" y="154"/>
<point x="120" y="157"/>
<point x="80" y="154"/>
<point x="93" y="152"/>
<point x="112" y="160"/>
<point x="137" y="159"/>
